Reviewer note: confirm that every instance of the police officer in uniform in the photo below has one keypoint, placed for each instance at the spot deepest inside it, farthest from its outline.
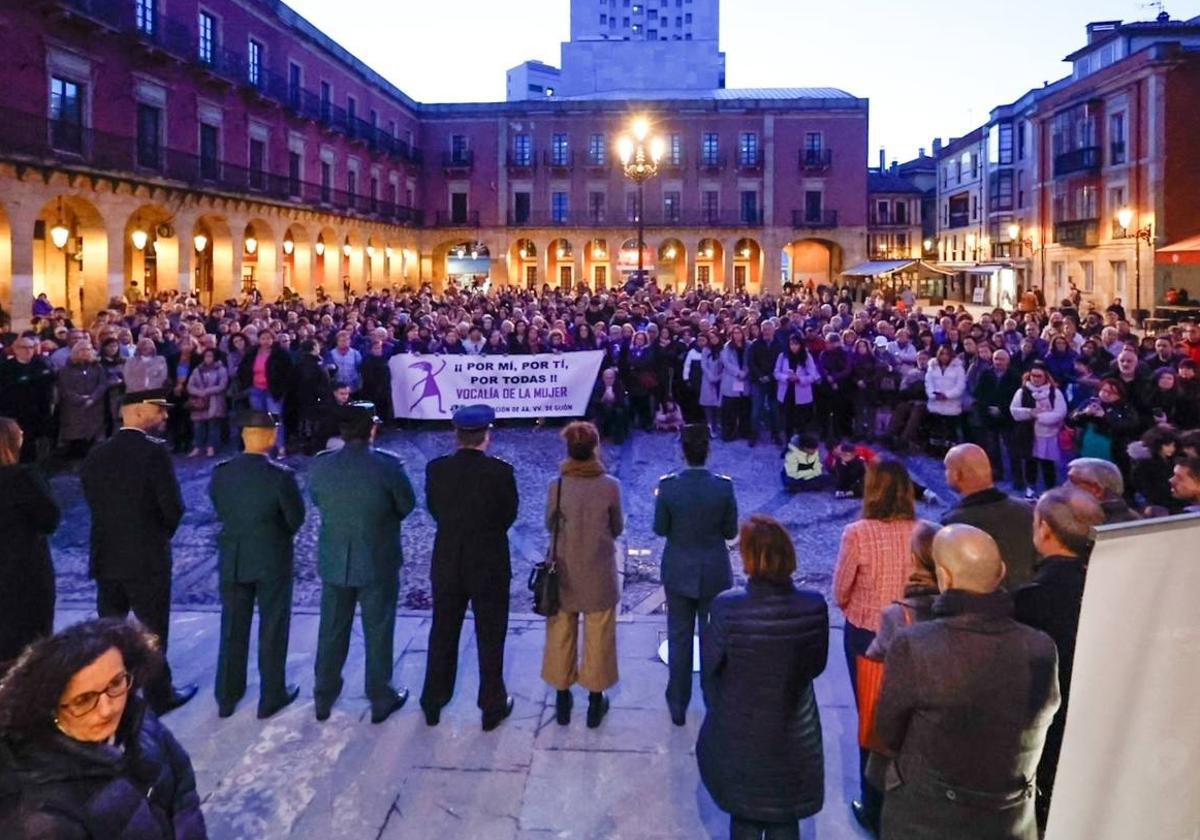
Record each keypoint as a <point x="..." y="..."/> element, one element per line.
<point x="130" y="486"/>
<point x="696" y="511"/>
<point x="260" y="508"/>
<point x="362" y="494"/>
<point x="473" y="499"/>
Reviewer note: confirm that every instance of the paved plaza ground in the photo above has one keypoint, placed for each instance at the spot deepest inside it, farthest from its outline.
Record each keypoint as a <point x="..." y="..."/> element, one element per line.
<point x="633" y="778"/>
<point x="815" y="520"/>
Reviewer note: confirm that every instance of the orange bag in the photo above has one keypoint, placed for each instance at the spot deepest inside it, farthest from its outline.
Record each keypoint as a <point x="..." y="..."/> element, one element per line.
<point x="870" y="686"/>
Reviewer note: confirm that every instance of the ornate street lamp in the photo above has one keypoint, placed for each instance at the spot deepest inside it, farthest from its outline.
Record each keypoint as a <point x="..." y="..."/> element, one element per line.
<point x="320" y="246"/>
<point x="640" y="155"/>
<point x="1125" y="218"/>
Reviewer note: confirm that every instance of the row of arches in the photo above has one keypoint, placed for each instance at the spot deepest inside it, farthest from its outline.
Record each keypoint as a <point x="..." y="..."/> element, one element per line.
<point x="741" y="264"/>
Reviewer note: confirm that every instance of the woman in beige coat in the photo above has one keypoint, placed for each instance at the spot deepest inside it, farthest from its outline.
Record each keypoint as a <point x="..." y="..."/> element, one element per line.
<point x="589" y="521"/>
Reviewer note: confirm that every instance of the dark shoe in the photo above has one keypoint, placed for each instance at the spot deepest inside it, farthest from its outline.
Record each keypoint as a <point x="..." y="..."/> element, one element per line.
<point x="433" y="715"/>
<point x="597" y="709"/>
<point x="290" y="693"/>
<point x="491" y="722"/>
<point x="177" y="698"/>
<point x="225" y="710"/>
<point x="679" y="717"/>
<point x="861" y="817"/>
<point x="563" y="701"/>
<point x="323" y="711"/>
<point x="379" y="715"/>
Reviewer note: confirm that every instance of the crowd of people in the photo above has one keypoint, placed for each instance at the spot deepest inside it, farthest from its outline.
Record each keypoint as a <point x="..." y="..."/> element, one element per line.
<point x="995" y="588"/>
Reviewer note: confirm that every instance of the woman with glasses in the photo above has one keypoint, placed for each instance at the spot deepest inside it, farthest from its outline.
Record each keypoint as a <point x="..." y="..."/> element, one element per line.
<point x="81" y="755"/>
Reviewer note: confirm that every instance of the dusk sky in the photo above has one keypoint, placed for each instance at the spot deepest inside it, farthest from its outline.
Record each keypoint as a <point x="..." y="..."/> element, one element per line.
<point x="929" y="67"/>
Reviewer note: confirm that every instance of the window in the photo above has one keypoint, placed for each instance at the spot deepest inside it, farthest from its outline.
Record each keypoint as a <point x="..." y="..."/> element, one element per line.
<point x="1089" y="275"/>
<point x="901" y="213"/>
<point x="458" y="208"/>
<point x="295" y="85"/>
<point x="66" y="115"/>
<point x="326" y="181"/>
<point x="1001" y="190"/>
<point x="145" y="15"/>
<point x="1120" y="276"/>
<point x="374" y="193"/>
<point x="1004" y="144"/>
<point x="1021" y="131"/>
<point x="709" y="148"/>
<point x="522" y="150"/>
<point x="254" y="63"/>
<point x="326" y="101"/>
<point x="521" y="205"/>
<point x="1020" y="189"/>
<point x="675" y="150"/>
<point x="1116" y="139"/>
<point x="149" y="125"/>
<point x="671" y="206"/>
<point x="749" y="206"/>
<point x="596" y="150"/>
<point x="208" y="151"/>
<point x="814" y="148"/>
<point x="748" y="149"/>
<point x="351" y="184"/>
<point x="814" y="206"/>
<point x="351" y="115"/>
<point x="560" y="151"/>
<point x="596" y="207"/>
<point x="208" y="38"/>
<point x="294" y="174"/>
<point x="710" y="203"/>
<point x="559" y="207"/>
<point x="258" y="151"/>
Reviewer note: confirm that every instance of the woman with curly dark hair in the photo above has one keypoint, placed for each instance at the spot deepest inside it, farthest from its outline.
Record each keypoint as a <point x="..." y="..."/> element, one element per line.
<point x="81" y="754"/>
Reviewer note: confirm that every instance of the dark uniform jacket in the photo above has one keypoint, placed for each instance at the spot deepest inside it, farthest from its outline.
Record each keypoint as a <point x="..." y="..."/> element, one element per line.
<point x="1008" y="521"/>
<point x="26" y="394"/>
<point x="28" y="513"/>
<point x="966" y="702"/>
<point x="697" y="512"/>
<point x="473" y="499"/>
<point x="129" y="483"/>
<point x="760" y="751"/>
<point x="363" y="494"/>
<point x="260" y="508"/>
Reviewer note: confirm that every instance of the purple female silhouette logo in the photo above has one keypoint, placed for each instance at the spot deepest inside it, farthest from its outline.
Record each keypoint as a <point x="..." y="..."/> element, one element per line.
<point x="428" y="384"/>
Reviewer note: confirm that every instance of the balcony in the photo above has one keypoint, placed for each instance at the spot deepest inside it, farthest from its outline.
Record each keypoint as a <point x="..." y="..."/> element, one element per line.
<point x="958" y="220"/>
<point x="1078" y="233"/>
<point x="655" y="218"/>
<point x="560" y="162"/>
<point x="710" y="163"/>
<point x="458" y="162"/>
<point x="521" y="164"/>
<point x="597" y="165"/>
<point x="545" y="219"/>
<point x="750" y="164"/>
<point x="890" y="223"/>
<point x="104" y="12"/>
<point x="444" y="219"/>
<point x="28" y="137"/>
<point x="816" y="220"/>
<point x="1086" y="159"/>
<point x="815" y="160"/>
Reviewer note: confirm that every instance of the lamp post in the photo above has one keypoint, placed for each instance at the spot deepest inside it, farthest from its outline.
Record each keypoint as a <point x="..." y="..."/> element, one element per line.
<point x="1125" y="219"/>
<point x="640" y="155"/>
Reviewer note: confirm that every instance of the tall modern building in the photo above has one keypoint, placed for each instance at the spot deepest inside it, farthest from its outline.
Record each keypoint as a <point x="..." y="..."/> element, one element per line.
<point x="632" y="46"/>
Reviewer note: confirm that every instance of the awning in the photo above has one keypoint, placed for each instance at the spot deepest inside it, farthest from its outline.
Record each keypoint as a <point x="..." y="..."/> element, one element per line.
<point x="882" y="268"/>
<point x="1183" y="252"/>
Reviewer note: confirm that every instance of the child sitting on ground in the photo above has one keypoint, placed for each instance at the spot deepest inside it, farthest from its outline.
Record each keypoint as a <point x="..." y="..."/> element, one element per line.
<point x="668" y="418"/>
<point x="849" y="469"/>
<point x="802" y="471"/>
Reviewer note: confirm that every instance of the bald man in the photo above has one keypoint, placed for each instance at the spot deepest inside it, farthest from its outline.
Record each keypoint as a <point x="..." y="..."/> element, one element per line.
<point x="981" y="504"/>
<point x="966" y="704"/>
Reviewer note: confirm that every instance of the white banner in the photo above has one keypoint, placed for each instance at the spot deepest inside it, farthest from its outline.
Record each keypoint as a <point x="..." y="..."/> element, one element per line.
<point x="426" y="387"/>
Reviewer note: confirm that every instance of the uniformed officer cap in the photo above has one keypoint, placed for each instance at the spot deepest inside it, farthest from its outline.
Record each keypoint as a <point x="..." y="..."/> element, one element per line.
<point x="474" y="418"/>
<point x="146" y="398"/>
<point x="695" y="433"/>
<point x="366" y="405"/>
<point x="256" y="420"/>
<point x="357" y="422"/>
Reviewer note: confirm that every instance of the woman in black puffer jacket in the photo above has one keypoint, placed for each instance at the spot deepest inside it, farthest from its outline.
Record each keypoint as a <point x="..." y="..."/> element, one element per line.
<point x="760" y="750"/>
<point x="81" y="755"/>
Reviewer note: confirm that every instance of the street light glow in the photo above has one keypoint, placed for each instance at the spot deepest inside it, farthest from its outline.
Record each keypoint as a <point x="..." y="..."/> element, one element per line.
<point x="1014" y="232"/>
<point x="139" y="238"/>
<point x="200" y="242"/>
<point x="251" y="244"/>
<point x="1125" y="217"/>
<point x="625" y="150"/>
<point x="59" y="234"/>
<point x="641" y="128"/>
<point x="288" y="246"/>
<point x="658" y="148"/>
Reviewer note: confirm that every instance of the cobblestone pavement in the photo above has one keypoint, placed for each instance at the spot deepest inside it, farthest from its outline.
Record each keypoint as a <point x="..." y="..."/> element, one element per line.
<point x="815" y="520"/>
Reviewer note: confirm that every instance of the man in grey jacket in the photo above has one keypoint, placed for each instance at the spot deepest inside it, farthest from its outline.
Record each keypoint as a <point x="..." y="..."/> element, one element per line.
<point x="696" y="511"/>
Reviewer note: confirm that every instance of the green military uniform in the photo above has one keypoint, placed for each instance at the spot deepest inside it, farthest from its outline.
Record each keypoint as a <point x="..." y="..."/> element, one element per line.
<point x="260" y="508"/>
<point x="362" y="494"/>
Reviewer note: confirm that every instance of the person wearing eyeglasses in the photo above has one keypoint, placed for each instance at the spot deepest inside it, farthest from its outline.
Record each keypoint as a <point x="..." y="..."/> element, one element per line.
<point x="81" y="754"/>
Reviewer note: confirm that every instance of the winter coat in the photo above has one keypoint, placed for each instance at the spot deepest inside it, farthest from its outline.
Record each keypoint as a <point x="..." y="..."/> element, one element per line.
<point x="951" y="382"/>
<point x="760" y="751"/>
<point x="211" y="381"/>
<point x="710" y="388"/>
<point x="279" y="371"/>
<point x="70" y="790"/>
<point x="145" y="373"/>
<point x="26" y="394"/>
<point x="1152" y="476"/>
<point x="1043" y="443"/>
<point x="1109" y="435"/>
<point x="966" y="703"/>
<point x="590" y="522"/>
<point x="1006" y="520"/>
<point x="81" y="401"/>
<point x="806" y="377"/>
<point x="735" y="371"/>
<point x="28" y="514"/>
<point x="799" y="465"/>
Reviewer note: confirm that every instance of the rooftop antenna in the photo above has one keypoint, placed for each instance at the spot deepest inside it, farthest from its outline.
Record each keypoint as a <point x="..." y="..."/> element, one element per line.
<point x="1160" y="5"/>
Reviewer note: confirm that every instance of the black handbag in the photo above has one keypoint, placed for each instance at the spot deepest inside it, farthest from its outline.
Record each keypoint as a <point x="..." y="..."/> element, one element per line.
<point x="543" y="578"/>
